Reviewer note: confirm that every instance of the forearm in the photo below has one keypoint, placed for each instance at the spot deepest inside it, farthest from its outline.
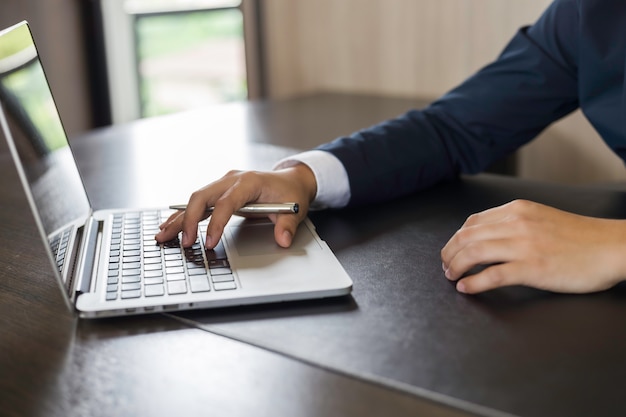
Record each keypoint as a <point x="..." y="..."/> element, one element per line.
<point x="503" y="106"/>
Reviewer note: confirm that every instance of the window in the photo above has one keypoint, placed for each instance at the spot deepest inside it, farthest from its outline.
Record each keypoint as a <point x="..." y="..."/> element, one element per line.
<point x="165" y="56"/>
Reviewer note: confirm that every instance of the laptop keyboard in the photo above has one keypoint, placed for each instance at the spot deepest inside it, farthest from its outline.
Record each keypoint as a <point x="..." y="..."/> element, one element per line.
<point x="58" y="244"/>
<point x="139" y="267"/>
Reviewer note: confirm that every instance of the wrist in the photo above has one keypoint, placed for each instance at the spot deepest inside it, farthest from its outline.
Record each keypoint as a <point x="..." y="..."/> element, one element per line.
<point x="305" y="178"/>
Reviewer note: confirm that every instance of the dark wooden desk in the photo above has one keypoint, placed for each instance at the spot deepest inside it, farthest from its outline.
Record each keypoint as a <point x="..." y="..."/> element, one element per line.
<point x="515" y="350"/>
<point x="52" y="364"/>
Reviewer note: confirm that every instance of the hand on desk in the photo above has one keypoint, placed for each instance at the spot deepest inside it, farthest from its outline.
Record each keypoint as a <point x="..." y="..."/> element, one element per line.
<point x="531" y="244"/>
<point x="232" y="192"/>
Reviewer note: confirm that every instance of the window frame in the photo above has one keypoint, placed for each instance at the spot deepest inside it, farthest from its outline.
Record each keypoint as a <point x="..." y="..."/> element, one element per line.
<point x="121" y="56"/>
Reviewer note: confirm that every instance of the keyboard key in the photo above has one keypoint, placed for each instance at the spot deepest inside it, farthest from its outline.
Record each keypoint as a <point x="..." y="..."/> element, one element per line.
<point x="195" y="265"/>
<point x="219" y="263"/>
<point x="199" y="283"/>
<point x="148" y="261"/>
<point x="222" y="278"/>
<point x="131" y="286"/>
<point x="174" y="270"/>
<point x="220" y="271"/>
<point x="131" y="294"/>
<point x="222" y="286"/>
<point x="175" y="277"/>
<point x="154" y="290"/>
<point x="176" y="287"/>
<point x="152" y="281"/>
<point x="152" y="274"/>
<point x="171" y="264"/>
<point x="131" y="272"/>
<point x="133" y="278"/>
<point x="173" y="256"/>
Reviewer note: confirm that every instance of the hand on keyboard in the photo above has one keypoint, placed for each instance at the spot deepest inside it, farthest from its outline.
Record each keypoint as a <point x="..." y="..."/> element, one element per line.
<point x="233" y="191"/>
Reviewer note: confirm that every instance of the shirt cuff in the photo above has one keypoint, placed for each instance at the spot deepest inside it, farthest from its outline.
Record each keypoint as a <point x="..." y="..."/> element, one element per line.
<point x="333" y="186"/>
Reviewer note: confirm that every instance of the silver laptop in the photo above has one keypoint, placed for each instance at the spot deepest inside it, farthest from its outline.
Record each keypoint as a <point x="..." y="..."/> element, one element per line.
<point x="107" y="262"/>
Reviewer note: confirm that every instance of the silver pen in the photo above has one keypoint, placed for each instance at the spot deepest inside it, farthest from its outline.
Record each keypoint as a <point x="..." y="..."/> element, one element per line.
<point x="254" y="208"/>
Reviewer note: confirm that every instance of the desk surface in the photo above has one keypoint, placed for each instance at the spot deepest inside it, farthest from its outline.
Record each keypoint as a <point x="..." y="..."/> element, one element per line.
<point x="515" y="351"/>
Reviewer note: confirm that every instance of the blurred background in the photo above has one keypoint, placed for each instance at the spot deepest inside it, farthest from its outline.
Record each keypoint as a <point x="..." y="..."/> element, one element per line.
<point x="114" y="61"/>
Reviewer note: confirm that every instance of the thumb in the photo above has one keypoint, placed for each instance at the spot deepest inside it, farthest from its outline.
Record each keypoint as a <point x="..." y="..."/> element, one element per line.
<point x="285" y="229"/>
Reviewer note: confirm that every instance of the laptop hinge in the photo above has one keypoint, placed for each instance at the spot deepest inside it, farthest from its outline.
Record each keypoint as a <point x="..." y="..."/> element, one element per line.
<point x="86" y="264"/>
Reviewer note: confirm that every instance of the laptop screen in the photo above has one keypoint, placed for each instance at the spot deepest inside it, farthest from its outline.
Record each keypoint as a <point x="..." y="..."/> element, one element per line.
<point x="30" y="120"/>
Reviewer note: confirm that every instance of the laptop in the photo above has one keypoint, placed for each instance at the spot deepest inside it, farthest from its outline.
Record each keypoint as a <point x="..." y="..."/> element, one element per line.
<point x="107" y="262"/>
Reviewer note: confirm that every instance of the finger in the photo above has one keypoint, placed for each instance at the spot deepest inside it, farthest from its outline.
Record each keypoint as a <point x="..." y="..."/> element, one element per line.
<point x="285" y="228"/>
<point x="469" y="235"/>
<point x="193" y="214"/>
<point x="170" y="228"/>
<point x="172" y="217"/>
<point x="494" y="276"/>
<point x="479" y="253"/>
<point x="484" y="225"/>
<point x="220" y="217"/>
<point x="232" y="200"/>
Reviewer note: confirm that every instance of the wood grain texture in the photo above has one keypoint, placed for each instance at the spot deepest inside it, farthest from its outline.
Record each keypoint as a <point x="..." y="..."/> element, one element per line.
<point x="52" y="364"/>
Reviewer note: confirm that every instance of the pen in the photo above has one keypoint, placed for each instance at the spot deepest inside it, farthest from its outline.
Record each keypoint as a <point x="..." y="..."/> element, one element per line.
<point x="254" y="208"/>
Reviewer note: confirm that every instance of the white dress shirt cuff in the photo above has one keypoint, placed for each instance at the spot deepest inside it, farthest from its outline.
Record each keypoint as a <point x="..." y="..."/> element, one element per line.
<point x="333" y="186"/>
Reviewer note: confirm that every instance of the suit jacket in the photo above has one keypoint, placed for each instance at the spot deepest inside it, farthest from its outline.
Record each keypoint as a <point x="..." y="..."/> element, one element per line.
<point x="573" y="56"/>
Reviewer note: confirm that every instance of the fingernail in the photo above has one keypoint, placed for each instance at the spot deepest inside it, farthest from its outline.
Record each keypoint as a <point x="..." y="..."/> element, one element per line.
<point x="185" y="239"/>
<point x="287" y="237"/>
<point x="460" y="287"/>
<point x="447" y="273"/>
<point x="443" y="266"/>
<point x="208" y="241"/>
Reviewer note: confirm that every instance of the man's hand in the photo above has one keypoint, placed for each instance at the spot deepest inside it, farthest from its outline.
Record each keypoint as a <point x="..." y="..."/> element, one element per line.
<point x="236" y="189"/>
<point x="526" y="243"/>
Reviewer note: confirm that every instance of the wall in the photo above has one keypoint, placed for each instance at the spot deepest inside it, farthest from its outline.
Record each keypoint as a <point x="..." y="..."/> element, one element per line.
<point x="418" y="48"/>
<point x="397" y="47"/>
<point x="57" y="31"/>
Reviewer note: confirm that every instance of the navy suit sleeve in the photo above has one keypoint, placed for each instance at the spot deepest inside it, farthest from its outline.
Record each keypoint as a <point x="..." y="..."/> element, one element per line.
<point x="503" y="106"/>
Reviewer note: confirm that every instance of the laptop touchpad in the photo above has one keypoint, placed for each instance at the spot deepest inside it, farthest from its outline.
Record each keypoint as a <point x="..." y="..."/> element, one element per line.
<point x="258" y="239"/>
